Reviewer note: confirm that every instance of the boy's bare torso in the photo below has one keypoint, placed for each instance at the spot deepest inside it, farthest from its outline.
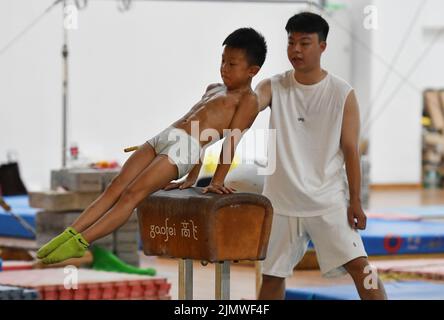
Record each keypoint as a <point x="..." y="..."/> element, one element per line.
<point x="214" y="111"/>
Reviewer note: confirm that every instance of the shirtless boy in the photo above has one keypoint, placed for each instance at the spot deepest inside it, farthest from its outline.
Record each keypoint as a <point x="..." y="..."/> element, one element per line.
<point x="232" y="105"/>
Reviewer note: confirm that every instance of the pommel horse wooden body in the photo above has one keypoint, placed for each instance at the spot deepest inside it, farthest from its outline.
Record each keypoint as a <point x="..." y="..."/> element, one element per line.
<point x="189" y="225"/>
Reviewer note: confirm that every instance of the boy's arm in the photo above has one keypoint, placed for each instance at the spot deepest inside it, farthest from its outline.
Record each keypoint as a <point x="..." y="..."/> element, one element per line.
<point x="349" y="146"/>
<point x="243" y="119"/>
<point x="194" y="173"/>
<point x="189" y="181"/>
<point x="263" y="91"/>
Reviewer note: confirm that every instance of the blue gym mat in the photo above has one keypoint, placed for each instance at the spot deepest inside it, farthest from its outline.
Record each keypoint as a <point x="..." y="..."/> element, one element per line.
<point x="387" y="237"/>
<point x="391" y="237"/>
<point x="402" y="290"/>
<point x="10" y="227"/>
<point x="15" y="293"/>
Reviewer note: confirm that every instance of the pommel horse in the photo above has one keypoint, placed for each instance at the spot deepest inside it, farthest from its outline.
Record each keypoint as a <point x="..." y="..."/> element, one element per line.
<point x="190" y="225"/>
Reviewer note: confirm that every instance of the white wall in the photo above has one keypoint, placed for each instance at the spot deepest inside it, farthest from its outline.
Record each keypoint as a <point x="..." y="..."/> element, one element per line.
<point x="395" y="133"/>
<point x="134" y="73"/>
<point x="395" y="136"/>
<point x="131" y="74"/>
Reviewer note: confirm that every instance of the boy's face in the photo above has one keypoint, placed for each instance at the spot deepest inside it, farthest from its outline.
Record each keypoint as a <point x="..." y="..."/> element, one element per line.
<point x="235" y="69"/>
<point x="304" y="50"/>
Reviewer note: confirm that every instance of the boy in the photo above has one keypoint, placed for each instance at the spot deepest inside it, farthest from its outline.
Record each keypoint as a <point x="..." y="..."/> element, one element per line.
<point x="316" y="118"/>
<point x="231" y="105"/>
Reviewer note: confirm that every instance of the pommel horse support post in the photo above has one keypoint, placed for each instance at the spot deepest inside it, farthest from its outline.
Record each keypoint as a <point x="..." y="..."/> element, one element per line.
<point x="190" y="225"/>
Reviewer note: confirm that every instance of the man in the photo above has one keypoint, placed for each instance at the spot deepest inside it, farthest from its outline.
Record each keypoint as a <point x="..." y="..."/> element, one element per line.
<point x="316" y="118"/>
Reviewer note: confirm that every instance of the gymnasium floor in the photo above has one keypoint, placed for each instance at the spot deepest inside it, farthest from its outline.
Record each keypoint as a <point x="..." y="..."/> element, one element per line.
<point x="243" y="275"/>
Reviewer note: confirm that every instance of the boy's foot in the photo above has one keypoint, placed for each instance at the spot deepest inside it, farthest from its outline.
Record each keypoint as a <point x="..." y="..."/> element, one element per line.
<point x="55" y="242"/>
<point x="73" y="248"/>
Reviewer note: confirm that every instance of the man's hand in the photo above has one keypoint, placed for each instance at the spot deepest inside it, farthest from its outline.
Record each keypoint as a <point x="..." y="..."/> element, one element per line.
<point x="356" y="216"/>
<point x="217" y="188"/>
<point x="180" y="185"/>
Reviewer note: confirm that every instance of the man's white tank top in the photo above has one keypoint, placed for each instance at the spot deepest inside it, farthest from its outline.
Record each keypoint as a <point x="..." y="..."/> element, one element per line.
<point x="309" y="179"/>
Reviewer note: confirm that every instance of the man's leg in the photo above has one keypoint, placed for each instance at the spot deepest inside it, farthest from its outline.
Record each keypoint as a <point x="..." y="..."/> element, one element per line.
<point x="135" y="164"/>
<point x="286" y="247"/>
<point x="366" y="279"/>
<point x="273" y="288"/>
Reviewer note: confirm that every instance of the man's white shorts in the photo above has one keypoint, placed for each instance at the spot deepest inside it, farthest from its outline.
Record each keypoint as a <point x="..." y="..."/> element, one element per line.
<point x="335" y="242"/>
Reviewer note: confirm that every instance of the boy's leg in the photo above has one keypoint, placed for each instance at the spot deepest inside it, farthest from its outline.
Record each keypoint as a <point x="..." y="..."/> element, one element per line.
<point x="273" y="288"/>
<point x="153" y="178"/>
<point x="366" y="279"/>
<point x="135" y="164"/>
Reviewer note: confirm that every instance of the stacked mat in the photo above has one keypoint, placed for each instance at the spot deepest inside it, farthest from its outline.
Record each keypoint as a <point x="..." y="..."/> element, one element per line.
<point x="15" y="293"/>
<point x="433" y="139"/>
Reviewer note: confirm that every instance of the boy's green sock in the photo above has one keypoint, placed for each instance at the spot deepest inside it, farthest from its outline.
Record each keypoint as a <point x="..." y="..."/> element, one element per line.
<point x="73" y="248"/>
<point x="55" y="242"/>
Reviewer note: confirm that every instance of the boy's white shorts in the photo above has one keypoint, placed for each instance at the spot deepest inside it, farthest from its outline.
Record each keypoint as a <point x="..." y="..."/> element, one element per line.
<point x="181" y="148"/>
<point x="335" y="242"/>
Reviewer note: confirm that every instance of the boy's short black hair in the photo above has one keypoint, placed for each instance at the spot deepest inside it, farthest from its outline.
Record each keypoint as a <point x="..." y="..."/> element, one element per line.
<point x="251" y="41"/>
<point x="308" y="22"/>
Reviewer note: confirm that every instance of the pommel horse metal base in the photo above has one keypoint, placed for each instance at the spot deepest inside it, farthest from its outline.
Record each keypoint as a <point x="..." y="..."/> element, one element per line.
<point x="189" y="225"/>
<point x="222" y="280"/>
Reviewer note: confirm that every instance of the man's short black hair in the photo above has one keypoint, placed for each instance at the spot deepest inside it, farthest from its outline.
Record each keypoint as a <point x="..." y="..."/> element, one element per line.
<point x="251" y="41"/>
<point x="308" y="22"/>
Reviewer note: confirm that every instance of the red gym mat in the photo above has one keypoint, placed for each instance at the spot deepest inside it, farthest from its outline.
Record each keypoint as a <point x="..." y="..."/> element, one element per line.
<point x="421" y="268"/>
<point x="12" y="265"/>
<point x="91" y="284"/>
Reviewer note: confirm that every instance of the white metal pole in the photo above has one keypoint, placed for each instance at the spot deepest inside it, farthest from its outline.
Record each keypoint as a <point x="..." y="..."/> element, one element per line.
<point x="65" y="90"/>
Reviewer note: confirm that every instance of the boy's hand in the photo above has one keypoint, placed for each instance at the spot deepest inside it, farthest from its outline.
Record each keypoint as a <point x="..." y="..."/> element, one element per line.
<point x="180" y="185"/>
<point x="217" y="188"/>
<point x="356" y="216"/>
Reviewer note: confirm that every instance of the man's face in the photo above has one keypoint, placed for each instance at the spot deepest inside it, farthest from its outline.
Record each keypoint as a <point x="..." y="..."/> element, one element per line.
<point x="304" y="50"/>
<point x="235" y="69"/>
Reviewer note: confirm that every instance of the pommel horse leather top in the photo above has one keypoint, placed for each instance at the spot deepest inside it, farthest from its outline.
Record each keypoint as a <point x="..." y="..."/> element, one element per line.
<point x="209" y="227"/>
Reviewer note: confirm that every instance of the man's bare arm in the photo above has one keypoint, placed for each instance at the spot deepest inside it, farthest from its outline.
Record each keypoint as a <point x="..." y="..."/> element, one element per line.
<point x="212" y="86"/>
<point x="350" y="149"/>
<point x="263" y="92"/>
